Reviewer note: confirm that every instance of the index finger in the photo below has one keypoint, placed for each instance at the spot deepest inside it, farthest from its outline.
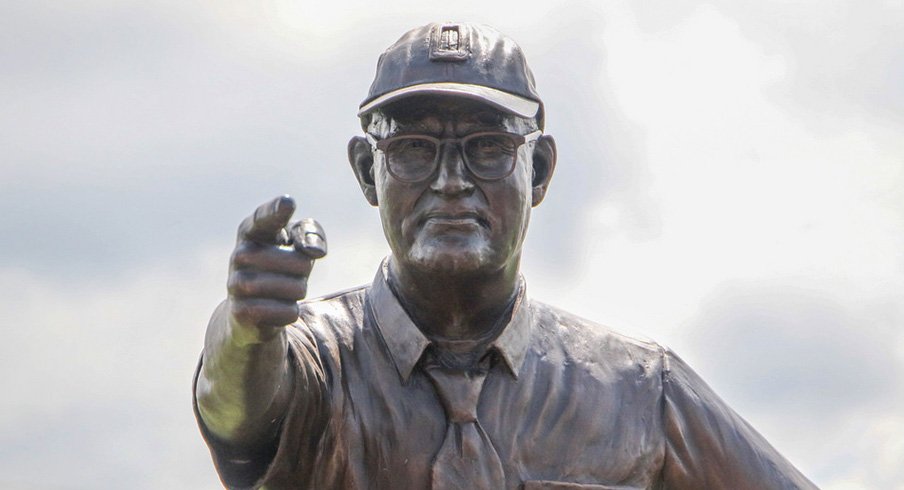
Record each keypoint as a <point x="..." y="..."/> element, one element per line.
<point x="266" y="224"/>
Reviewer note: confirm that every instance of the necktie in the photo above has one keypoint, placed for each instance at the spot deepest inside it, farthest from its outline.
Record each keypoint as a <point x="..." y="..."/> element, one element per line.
<point x="467" y="458"/>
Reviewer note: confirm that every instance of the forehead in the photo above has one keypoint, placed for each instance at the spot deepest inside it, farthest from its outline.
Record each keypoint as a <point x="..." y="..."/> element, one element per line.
<point x="435" y="113"/>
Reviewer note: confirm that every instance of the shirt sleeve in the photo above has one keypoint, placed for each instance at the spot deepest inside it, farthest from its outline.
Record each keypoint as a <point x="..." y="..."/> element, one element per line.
<point x="709" y="446"/>
<point x="300" y="430"/>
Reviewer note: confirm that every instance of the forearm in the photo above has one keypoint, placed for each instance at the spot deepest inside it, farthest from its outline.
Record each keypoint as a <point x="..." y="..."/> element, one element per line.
<point x="245" y="382"/>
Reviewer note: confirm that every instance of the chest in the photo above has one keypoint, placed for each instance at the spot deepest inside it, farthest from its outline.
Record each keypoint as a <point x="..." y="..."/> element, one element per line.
<point x="554" y="422"/>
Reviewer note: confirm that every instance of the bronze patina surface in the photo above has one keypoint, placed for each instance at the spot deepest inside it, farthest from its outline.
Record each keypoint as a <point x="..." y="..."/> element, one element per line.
<point x="443" y="373"/>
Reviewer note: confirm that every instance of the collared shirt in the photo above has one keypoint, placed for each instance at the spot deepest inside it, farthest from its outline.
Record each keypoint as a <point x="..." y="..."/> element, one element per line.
<point x="567" y="403"/>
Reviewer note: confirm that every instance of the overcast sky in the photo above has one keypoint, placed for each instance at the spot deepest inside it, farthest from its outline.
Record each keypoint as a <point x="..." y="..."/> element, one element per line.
<point x="730" y="184"/>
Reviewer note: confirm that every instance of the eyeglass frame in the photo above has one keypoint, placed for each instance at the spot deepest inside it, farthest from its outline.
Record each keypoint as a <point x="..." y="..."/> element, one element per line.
<point x="520" y="140"/>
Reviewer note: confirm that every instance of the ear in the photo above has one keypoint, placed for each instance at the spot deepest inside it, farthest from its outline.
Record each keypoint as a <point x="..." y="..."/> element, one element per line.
<point x="544" y="165"/>
<point x="361" y="158"/>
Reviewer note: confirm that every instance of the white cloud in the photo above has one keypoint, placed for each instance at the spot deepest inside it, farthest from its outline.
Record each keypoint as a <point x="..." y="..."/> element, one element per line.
<point x="714" y="156"/>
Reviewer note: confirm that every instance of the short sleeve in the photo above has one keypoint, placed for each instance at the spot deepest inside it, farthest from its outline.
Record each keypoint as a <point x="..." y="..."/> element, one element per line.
<point x="709" y="446"/>
<point x="300" y="429"/>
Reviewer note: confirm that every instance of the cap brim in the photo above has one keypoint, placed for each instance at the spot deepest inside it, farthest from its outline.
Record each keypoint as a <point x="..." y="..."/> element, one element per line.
<point x="502" y="100"/>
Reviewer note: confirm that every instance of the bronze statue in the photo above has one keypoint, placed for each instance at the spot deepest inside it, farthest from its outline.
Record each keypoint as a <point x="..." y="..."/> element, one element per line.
<point x="443" y="373"/>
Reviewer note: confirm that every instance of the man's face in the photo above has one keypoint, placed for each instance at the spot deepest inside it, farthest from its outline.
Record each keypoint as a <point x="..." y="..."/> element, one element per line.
<point x="452" y="221"/>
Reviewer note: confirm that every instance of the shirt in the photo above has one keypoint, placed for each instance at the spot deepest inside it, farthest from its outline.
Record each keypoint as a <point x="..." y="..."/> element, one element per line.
<point x="567" y="404"/>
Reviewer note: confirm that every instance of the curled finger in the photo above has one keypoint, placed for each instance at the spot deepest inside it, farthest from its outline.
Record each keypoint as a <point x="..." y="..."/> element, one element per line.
<point x="264" y="312"/>
<point x="271" y="259"/>
<point x="247" y="284"/>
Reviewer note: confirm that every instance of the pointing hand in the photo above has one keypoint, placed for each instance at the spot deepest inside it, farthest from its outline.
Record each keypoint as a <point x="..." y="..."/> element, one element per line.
<point x="270" y="265"/>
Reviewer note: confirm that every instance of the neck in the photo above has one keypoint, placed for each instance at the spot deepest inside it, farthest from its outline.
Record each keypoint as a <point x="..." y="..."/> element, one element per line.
<point x="455" y="307"/>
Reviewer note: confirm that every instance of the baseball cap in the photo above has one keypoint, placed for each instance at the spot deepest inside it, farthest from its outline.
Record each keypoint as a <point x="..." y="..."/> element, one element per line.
<point x="456" y="59"/>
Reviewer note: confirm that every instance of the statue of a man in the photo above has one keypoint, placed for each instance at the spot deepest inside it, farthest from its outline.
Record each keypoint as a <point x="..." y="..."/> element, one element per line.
<point x="443" y="373"/>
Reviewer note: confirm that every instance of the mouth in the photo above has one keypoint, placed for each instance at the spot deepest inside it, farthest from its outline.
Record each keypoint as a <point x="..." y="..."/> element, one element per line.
<point x="465" y="218"/>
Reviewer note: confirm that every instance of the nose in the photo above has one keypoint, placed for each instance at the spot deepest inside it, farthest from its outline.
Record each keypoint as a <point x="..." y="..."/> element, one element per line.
<point x="453" y="177"/>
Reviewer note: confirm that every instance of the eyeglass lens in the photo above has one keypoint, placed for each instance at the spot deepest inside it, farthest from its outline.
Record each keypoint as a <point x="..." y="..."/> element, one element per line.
<point x="488" y="156"/>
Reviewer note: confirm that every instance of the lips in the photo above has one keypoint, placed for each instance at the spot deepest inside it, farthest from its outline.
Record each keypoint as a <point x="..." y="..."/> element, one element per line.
<point x="456" y="218"/>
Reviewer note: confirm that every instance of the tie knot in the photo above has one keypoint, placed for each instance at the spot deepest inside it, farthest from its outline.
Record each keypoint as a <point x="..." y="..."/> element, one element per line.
<point x="459" y="392"/>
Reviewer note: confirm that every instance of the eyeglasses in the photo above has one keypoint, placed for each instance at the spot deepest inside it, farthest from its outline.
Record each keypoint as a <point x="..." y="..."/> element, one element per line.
<point x="488" y="155"/>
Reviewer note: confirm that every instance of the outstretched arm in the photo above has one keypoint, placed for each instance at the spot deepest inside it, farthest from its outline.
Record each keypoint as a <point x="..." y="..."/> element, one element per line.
<point x="245" y="382"/>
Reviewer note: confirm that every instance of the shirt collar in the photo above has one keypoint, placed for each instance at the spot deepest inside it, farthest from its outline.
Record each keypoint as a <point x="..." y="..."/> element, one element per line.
<point x="406" y="342"/>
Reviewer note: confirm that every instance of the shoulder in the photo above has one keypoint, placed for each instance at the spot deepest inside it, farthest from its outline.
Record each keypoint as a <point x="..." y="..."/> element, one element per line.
<point x="333" y="317"/>
<point x="580" y="340"/>
<point x="340" y="303"/>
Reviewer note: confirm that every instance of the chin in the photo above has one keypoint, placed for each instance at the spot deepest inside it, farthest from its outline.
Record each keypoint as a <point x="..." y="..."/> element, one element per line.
<point x="451" y="256"/>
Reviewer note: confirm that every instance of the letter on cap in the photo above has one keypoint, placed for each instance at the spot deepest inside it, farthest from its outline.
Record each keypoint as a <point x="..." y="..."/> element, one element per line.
<point x="450" y="42"/>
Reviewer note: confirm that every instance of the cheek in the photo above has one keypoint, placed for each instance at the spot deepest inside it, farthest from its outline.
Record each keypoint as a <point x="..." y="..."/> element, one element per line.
<point x="397" y="201"/>
<point x="512" y="199"/>
<point x="388" y="201"/>
<point x="381" y="179"/>
<point x="520" y="188"/>
<point x="390" y="192"/>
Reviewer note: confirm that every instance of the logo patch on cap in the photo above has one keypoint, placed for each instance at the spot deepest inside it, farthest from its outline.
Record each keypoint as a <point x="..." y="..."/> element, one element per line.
<point x="450" y="42"/>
